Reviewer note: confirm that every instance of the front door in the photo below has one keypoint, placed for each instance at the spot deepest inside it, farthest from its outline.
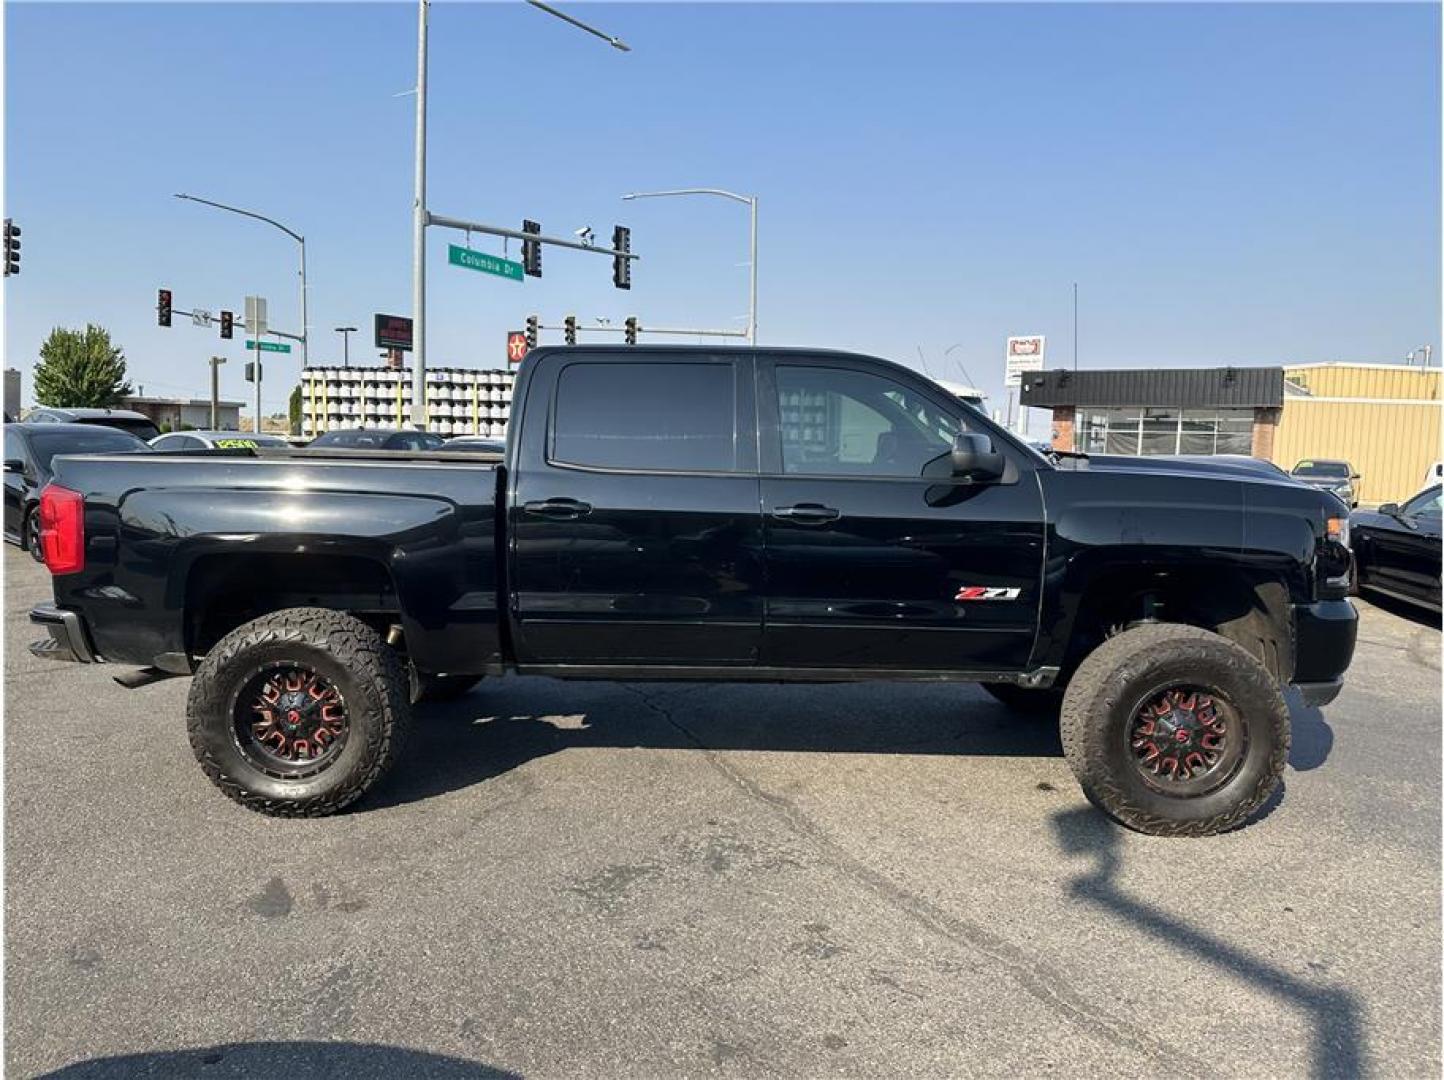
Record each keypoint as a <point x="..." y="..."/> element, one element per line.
<point x="876" y="556"/>
<point x="634" y="516"/>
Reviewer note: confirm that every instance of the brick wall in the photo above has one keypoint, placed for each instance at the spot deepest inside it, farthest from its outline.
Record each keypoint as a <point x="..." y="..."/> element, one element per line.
<point x="1265" y="426"/>
<point x="1063" y="419"/>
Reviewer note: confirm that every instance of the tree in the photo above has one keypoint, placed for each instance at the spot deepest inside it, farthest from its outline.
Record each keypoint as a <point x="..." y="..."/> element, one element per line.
<point x="80" y="369"/>
<point x="295" y="411"/>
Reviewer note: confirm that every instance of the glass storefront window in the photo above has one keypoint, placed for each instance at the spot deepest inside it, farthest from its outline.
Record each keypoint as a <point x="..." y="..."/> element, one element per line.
<point x="1134" y="431"/>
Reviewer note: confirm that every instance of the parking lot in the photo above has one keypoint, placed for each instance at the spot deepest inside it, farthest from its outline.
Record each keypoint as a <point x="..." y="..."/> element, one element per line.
<point x="593" y="880"/>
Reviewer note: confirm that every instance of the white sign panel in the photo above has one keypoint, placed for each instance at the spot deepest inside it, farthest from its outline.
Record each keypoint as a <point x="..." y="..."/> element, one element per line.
<point x="256" y="316"/>
<point x="1024" y="354"/>
<point x="200" y="317"/>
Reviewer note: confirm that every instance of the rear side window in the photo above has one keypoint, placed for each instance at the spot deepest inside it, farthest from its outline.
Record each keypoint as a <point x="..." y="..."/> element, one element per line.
<point x="658" y="417"/>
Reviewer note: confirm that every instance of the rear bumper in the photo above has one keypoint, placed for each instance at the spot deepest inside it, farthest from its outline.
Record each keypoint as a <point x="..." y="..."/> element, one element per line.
<point x="1324" y="635"/>
<point x="68" y="638"/>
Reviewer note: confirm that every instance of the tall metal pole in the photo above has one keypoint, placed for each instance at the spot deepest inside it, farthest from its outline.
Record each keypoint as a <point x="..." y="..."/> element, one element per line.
<point x="216" y="362"/>
<point x="418" y="233"/>
<point x="257" y="428"/>
<point x="305" y="326"/>
<point x="752" y="307"/>
<point x="1075" y="326"/>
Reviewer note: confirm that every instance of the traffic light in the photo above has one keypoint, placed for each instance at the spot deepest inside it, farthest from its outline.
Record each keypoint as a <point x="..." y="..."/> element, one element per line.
<point x="531" y="250"/>
<point x="621" y="267"/>
<point x="162" y="307"/>
<point x="571" y="329"/>
<point x="12" y="248"/>
<point x="533" y="325"/>
<point x="631" y="325"/>
<point x="228" y="325"/>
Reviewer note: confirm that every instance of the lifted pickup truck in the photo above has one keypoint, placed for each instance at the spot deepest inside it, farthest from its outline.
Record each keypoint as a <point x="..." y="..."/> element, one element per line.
<point x="711" y="514"/>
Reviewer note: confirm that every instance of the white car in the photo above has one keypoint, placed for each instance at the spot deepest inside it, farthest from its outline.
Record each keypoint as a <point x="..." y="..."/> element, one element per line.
<point x="215" y="440"/>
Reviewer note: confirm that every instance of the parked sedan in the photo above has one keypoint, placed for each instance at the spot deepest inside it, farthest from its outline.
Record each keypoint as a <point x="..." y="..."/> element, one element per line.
<point x="28" y="450"/>
<point x="1335" y="476"/>
<point x="476" y="444"/>
<point x="215" y="440"/>
<point x="1397" y="548"/>
<point x="137" y="424"/>
<point x="376" y="439"/>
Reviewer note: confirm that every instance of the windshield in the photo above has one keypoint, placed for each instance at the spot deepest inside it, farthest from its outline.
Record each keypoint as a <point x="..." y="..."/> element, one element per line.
<point x="46" y="445"/>
<point x="1331" y="470"/>
<point x="135" y="425"/>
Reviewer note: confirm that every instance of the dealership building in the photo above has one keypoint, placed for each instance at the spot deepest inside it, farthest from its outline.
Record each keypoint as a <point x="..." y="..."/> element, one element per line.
<point x="1384" y="419"/>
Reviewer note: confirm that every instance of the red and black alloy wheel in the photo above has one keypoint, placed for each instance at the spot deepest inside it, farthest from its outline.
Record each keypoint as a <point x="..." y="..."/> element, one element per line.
<point x="1186" y="740"/>
<point x="290" y="722"/>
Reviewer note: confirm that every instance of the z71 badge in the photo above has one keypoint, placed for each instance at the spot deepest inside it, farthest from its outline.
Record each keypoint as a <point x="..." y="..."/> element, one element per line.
<point x="986" y="592"/>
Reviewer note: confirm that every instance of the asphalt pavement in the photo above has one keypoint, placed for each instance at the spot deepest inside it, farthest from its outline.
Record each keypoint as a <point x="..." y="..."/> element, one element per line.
<point x="596" y="880"/>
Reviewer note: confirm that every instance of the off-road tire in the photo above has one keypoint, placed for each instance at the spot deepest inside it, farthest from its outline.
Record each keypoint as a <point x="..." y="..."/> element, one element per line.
<point x="30" y="537"/>
<point x="347" y="652"/>
<point x="1113" y="682"/>
<point x="1027" y="702"/>
<point x="427" y="688"/>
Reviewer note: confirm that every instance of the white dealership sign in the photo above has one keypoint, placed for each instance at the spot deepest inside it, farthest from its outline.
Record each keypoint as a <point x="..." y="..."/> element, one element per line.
<point x="1024" y="354"/>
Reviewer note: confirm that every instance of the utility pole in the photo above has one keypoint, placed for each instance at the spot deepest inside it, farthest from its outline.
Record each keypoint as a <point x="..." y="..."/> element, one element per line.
<point x="418" y="232"/>
<point x="216" y="362"/>
<point x="1075" y="326"/>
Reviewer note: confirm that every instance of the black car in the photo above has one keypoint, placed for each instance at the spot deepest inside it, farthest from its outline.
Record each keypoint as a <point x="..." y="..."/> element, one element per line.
<point x="1397" y="548"/>
<point x="1337" y="477"/>
<point x="125" y="419"/>
<point x="376" y="439"/>
<point x="28" y="450"/>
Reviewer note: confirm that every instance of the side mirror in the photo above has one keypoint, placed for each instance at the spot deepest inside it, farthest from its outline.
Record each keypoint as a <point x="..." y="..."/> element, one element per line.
<point x="1390" y="510"/>
<point x="14" y="465"/>
<point x="973" y="458"/>
<point x="1353" y="476"/>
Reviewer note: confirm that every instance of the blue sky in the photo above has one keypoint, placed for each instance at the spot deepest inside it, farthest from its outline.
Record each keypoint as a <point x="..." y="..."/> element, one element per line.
<point x="1227" y="184"/>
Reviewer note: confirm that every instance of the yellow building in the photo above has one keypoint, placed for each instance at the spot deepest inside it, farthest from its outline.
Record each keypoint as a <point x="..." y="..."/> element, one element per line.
<point x="1383" y="419"/>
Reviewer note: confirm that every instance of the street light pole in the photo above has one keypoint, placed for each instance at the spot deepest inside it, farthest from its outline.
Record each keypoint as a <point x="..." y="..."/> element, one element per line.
<point x="346" y="332"/>
<point x="420" y="217"/>
<point x="305" y="353"/>
<point x="751" y="201"/>
<point x="418" y="232"/>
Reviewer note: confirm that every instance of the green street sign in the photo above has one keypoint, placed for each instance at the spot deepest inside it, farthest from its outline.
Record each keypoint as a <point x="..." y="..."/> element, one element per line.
<point x="269" y="346"/>
<point x="487" y="264"/>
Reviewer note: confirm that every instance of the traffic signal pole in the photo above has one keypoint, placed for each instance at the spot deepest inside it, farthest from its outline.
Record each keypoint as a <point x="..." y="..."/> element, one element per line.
<point x="421" y="218"/>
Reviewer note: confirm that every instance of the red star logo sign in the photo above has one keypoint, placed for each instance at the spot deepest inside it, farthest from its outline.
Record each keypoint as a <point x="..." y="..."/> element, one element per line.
<point x="515" y="346"/>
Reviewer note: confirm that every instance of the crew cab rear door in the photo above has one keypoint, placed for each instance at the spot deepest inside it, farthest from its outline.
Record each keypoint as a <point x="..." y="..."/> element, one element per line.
<point x="869" y="564"/>
<point x="634" y="516"/>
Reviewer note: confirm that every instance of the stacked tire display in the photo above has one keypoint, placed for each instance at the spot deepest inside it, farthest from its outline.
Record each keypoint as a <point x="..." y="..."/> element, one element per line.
<point x="460" y="401"/>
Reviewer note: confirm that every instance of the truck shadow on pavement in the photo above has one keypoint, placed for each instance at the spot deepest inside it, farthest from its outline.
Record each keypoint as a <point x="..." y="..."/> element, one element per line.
<point x="507" y="723"/>
<point x="1336" y="1048"/>
<point x="502" y="725"/>
<point x="293" y="1060"/>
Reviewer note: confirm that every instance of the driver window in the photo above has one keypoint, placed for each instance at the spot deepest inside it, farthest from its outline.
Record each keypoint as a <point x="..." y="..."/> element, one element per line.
<point x="1425" y="505"/>
<point x="837" y="422"/>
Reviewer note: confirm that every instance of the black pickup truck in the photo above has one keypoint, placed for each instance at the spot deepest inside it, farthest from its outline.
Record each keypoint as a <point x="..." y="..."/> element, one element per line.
<point x="712" y="514"/>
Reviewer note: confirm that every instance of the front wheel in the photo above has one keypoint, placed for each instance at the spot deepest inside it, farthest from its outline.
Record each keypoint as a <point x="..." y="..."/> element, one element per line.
<point x="1175" y="731"/>
<point x="298" y="713"/>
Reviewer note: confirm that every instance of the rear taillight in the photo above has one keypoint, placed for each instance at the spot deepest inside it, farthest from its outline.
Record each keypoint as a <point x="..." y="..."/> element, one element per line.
<point x="62" y="529"/>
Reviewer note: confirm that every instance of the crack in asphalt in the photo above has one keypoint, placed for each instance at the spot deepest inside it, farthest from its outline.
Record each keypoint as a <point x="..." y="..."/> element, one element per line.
<point x="1038" y="978"/>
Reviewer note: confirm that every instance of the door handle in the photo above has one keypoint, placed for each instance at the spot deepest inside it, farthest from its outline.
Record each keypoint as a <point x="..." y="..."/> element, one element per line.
<point x="562" y="509"/>
<point x="807" y="513"/>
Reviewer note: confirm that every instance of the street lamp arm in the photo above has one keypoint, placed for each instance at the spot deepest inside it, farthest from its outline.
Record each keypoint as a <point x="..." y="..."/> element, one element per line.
<point x="614" y="42"/>
<point x="248" y="213"/>
<point x="748" y="199"/>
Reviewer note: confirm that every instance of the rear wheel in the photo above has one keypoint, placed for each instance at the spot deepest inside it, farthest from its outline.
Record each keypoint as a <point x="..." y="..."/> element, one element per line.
<point x="298" y="713"/>
<point x="1175" y="731"/>
<point x="1029" y="702"/>
<point x="32" y="535"/>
